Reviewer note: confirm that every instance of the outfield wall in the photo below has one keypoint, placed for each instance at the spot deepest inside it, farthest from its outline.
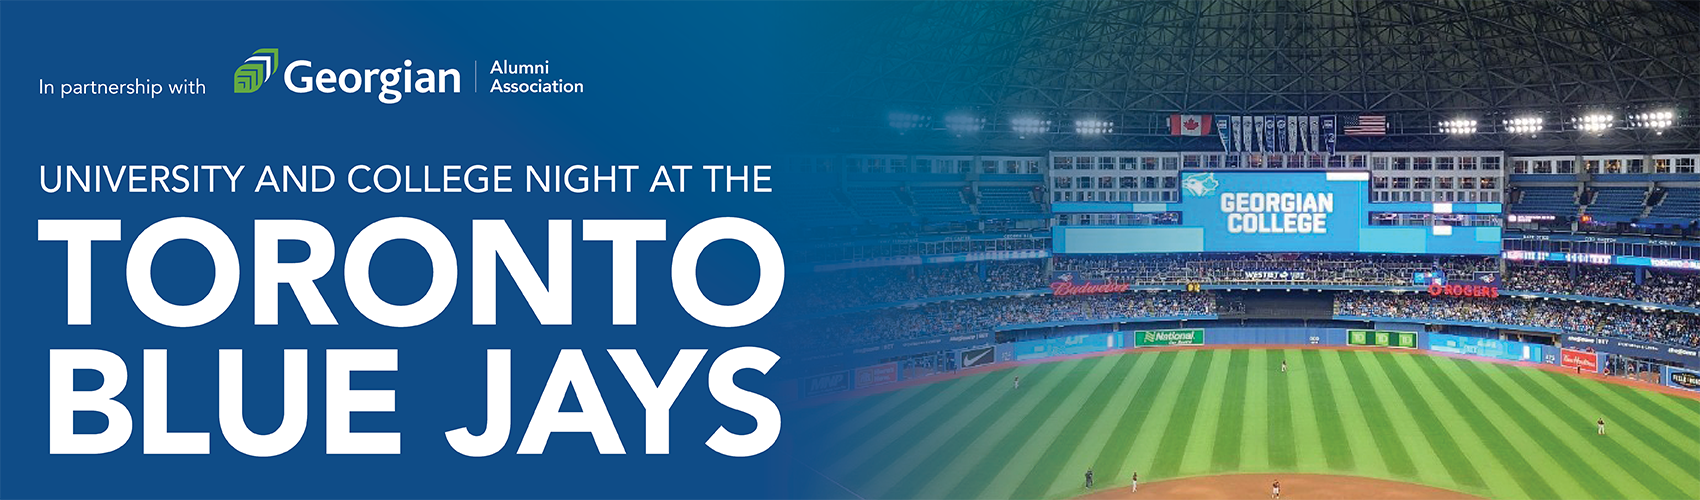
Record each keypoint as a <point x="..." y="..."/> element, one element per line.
<point x="976" y="351"/>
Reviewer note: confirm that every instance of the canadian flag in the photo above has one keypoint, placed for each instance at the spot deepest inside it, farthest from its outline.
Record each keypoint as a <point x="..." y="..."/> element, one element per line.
<point x="1189" y="125"/>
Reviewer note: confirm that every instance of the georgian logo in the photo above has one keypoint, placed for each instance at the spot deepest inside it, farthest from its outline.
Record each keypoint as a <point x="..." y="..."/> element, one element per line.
<point x="1200" y="184"/>
<point x="255" y="71"/>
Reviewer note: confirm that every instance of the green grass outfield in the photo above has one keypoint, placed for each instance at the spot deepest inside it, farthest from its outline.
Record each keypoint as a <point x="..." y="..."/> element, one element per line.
<point x="1493" y="430"/>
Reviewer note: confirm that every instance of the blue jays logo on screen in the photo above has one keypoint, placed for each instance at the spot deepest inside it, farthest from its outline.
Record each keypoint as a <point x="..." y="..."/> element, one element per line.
<point x="1245" y="211"/>
<point x="1200" y="184"/>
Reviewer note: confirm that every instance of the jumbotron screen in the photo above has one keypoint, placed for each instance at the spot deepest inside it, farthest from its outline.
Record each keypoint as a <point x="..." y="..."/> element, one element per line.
<point x="1276" y="212"/>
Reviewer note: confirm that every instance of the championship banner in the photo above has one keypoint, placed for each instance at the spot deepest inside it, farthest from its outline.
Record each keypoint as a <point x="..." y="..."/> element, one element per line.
<point x="1315" y="129"/>
<point x="1328" y="132"/>
<point x="1293" y="134"/>
<point x="1243" y="133"/>
<point x="1223" y="131"/>
<point x="1269" y="133"/>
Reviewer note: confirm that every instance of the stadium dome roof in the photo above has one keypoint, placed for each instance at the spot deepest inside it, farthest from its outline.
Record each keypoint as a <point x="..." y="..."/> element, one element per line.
<point x="1136" y="62"/>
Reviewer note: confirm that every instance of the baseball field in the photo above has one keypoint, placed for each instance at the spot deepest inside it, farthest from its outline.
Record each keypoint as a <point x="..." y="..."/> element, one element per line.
<point x="1479" y="428"/>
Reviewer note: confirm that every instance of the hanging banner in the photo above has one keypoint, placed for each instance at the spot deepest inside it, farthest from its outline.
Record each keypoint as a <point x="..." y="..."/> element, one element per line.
<point x="1222" y="131"/>
<point x="1269" y="134"/>
<point x="1245" y="133"/>
<point x="1328" y="136"/>
<point x="1293" y="134"/>
<point x="1314" y="128"/>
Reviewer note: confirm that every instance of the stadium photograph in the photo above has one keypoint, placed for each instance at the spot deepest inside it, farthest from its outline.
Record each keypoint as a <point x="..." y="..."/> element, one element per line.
<point x="1291" y="249"/>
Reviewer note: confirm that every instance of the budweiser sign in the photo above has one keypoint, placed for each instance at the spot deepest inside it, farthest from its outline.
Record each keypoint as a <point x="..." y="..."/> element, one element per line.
<point x="1066" y="284"/>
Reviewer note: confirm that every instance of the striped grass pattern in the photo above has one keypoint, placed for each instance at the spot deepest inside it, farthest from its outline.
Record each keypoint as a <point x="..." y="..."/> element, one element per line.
<point x="1492" y="430"/>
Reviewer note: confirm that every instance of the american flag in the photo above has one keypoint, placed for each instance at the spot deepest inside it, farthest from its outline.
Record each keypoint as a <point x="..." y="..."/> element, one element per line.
<point x="1368" y="125"/>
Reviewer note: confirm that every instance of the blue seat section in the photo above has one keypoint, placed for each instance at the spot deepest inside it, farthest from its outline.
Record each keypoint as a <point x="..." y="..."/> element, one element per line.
<point x="1679" y="204"/>
<point x="1621" y="202"/>
<point x="940" y="201"/>
<point x="1546" y="200"/>
<point x="878" y="202"/>
<point x="1008" y="200"/>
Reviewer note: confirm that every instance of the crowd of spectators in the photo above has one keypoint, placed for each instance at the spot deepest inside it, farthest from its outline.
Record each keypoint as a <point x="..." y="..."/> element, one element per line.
<point x="879" y="285"/>
<point x="859" y="287"/>
<point x="875" y="327"/>
<point x="1571" y="317"/>
<point x="1659" y="287"/>
<point x="1270" y="268"/>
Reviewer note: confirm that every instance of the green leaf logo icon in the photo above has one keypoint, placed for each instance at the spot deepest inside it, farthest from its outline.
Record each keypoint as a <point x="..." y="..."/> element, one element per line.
<point x="256" y="70"/>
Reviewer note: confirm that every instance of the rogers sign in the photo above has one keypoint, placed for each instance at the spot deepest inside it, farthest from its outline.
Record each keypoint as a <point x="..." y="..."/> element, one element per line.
<point x="1065" y="284"/>
<point x="1463" y="290"/>
<point x="1487" y="287"/>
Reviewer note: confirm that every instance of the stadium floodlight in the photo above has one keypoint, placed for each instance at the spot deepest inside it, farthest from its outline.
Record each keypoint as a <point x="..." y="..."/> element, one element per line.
<point x="1656" y="120"/>
<point x="1594" y="123"/>
<point x="902" y="120"/>
<point x="1027" y="125"/>
<point x="1460" y="126"/>
<point x="963" y="123"/>
<point x="1530" y="125"/>
<point x="1093" y="127"/>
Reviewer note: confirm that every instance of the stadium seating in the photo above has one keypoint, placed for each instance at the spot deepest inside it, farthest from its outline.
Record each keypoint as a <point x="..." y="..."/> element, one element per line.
<point x="819" y="207"/>
<point x="1007" y="200"/>
<point x="975" y="316"/>
<point x="1680" y="204"/>
<point x="1618" y="202"/>
<point x="940" y="201"/>
<point x="878" y="202"/>
<point x="1547" y="200"/>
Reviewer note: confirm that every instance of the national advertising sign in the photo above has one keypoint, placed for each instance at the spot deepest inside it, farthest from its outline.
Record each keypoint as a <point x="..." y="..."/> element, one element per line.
<point x="1573" y="358"/>
<point x="1682" y="379"/>
<point x="880" y="374"/>
<point x="1490" y="348"/>
<point x="1686" y="356"/>
<point x="1071" y="283"/>
<point x="823" y="384"/>
<point x="1149" y="338"/>
<point x="978" y="356"/>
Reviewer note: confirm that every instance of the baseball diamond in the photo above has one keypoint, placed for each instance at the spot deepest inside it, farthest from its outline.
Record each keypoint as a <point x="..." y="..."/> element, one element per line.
<point x="1478" y="428"/>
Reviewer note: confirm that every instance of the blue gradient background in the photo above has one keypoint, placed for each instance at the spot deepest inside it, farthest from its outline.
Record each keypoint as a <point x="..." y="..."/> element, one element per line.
<point x="668" y="83"/>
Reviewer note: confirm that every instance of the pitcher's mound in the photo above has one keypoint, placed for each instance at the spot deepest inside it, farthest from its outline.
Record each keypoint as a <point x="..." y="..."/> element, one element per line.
<point x="1293" y="487"/>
